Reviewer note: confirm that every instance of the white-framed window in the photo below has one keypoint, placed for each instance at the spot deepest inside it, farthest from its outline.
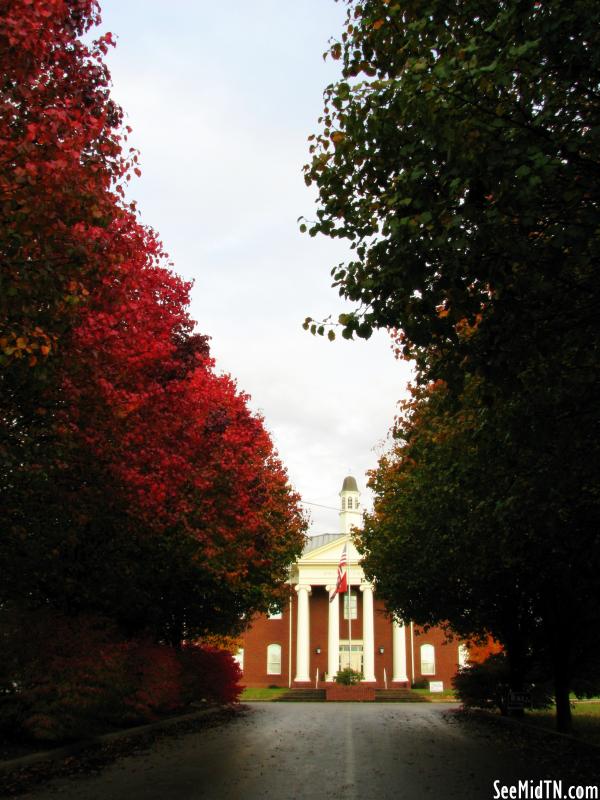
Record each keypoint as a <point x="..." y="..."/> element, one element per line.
<point x="349" y="504"/>
<point x="343" y="503"/>
<point x="274" y="659"/>
<point x="275" y="614"/>
<point x="463" y="655"/>
<point x="239" y="657"/>
<point x="353" y="606"/>
<point x="427" y="659"/>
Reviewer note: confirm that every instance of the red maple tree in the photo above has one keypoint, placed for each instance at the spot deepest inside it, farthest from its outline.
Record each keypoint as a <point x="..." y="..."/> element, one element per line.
<point x="136" y="483"/>
<point x="60" y="154"/>
<point x="189" y="461"/>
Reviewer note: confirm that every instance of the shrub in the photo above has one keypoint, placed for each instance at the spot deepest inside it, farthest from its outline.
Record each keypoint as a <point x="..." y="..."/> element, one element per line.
<point x="476" y="685"/>
<point x="348" y="677"/>
<point x="211" y="674"/>
<point x="60" y="678"/>
<point x="65" y="678"/>
<point x="157" y="682"/>
<point x="486" y="685"/>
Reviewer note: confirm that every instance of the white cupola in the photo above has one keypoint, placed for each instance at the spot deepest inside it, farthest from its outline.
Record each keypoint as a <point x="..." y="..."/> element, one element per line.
<point x="350" y="510"/>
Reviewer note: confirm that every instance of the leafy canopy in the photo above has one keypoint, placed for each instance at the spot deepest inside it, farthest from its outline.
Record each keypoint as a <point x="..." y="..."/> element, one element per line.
<point x="459" y="155"/>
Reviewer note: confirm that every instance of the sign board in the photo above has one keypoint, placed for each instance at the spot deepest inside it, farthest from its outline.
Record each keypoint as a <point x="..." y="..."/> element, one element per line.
<point x="518" y="700"/>
<point x="436" y="686"/>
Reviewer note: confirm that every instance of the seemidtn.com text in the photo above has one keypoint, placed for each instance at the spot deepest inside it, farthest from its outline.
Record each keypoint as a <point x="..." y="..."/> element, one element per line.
<point x="543" y="790"/>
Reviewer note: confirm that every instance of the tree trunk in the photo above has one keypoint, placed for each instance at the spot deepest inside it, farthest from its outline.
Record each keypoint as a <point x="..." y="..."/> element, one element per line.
<point x="561" y="657"/>
<point x="175" y="637"/>
<point x="516" y="666"/>
<point x="564" y="721"/>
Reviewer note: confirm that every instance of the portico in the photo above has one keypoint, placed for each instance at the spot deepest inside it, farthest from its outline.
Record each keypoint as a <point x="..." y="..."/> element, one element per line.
<point x="351" y="621"/>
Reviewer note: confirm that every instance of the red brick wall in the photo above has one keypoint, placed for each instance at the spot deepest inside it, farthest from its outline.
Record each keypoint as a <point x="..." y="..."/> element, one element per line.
<point x="263" y="632"/>
<point x="353" y="694"/>
<point x="446" y="656"/>
<point x="383" y="638"/>
<point x="260" y="634"/>
<point x="319" y="623"/>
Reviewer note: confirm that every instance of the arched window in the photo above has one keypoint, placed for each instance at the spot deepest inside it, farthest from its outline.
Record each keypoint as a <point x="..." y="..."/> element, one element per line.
<point x="427" y="659"/>
<point x="349" y="503"/>
<point x="274" y="659"/>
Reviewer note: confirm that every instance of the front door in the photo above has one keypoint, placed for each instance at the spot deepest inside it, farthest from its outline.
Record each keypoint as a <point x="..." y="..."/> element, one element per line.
<point x="351" y="656"/>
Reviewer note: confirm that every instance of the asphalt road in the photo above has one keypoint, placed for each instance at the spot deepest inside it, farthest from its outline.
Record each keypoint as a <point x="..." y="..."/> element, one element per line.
<point x="321" y="751"/>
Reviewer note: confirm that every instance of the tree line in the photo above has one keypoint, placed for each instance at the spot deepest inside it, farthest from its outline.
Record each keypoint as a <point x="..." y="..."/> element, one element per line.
<point x="136" y="486"/>
<point x="459" y="156"/>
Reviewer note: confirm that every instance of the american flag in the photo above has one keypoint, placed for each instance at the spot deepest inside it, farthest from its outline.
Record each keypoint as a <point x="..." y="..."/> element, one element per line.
<point x="342" y="575"/>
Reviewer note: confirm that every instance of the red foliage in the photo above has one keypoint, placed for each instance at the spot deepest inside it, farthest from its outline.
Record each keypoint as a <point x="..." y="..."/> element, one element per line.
<point x="176" y="439"/>
<point x="210" y="674"/>
<point x="75" y="676"/>
<point x="156" y="674"/>
<point x="63" y="678"/>
<point x="131" y="437"/>
<point x="60" y="153"/>
<point x="481" y="651"/>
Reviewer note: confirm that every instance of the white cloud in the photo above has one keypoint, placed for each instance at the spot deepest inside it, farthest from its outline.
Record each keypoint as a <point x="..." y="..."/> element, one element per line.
<point x="221" y="100"/>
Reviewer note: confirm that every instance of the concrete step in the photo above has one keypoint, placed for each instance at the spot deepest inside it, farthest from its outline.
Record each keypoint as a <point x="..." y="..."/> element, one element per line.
<point x="381" y="695"/>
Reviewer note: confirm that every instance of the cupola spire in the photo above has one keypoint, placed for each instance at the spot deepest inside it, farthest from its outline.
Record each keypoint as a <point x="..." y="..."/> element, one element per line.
<point x="350" y="510"/>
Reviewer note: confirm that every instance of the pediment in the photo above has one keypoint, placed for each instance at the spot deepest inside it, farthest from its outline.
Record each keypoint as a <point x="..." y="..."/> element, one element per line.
<point x="330" y="552"/>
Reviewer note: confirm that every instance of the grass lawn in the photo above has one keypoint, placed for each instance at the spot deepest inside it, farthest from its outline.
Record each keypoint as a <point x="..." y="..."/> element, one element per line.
<point x="447" y="694"/>
<point x="586" y="720"/>
<point x="262" y="694"/>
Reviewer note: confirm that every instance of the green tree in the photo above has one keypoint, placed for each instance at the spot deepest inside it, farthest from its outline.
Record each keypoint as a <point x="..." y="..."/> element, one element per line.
<point x="459" y="156"/>
<point x="469" y="529"/>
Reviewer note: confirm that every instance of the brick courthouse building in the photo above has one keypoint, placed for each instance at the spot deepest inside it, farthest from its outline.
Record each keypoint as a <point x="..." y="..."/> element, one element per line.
<point x="310" y="639"/>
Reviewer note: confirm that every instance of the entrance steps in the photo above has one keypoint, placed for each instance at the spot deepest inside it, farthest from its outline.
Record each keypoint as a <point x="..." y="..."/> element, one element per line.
<point x="306" y="695"/>
<point x="301" y="695"/>
<point x="398" y="696"/>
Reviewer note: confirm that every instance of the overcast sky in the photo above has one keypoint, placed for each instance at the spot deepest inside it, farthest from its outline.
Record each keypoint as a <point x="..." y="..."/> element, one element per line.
<point x="221" y="99"/>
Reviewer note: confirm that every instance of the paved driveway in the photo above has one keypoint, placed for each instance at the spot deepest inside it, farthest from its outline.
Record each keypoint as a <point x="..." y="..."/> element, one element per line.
<point x="321" y="751"/>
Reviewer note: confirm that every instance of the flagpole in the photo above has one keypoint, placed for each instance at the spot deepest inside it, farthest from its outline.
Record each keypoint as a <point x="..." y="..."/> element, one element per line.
<point x="349" y="612"/>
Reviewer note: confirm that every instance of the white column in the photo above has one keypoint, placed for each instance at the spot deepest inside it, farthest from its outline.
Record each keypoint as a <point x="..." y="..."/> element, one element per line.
<point x="368" y="633"/>
<point x="303" y="635"/>
<point x="399" y="652"/>
<point x="333" y="635"/>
